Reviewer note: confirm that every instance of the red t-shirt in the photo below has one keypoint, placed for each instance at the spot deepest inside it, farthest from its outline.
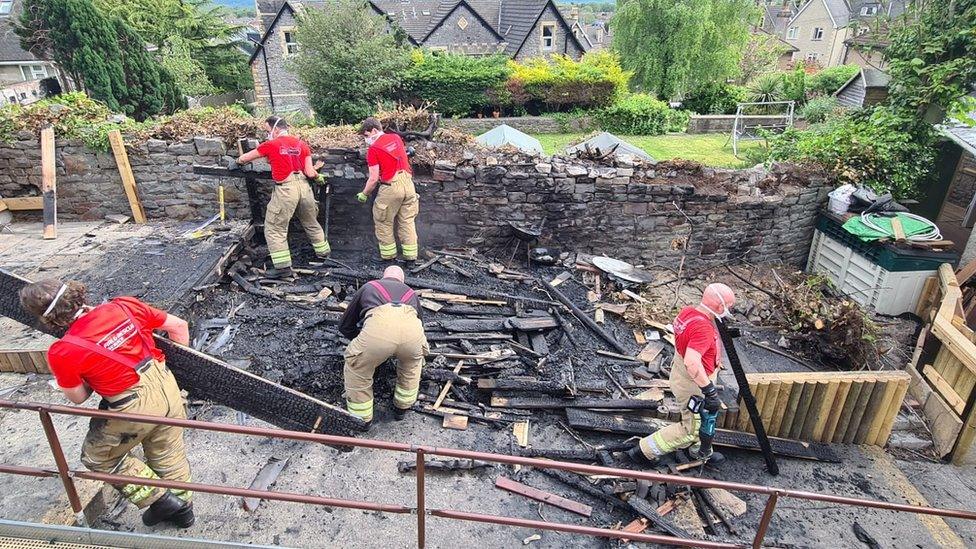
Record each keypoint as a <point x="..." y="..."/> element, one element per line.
<point x="694" y="329"/>
<point x="388" y="152"/>
<point x="286" y="154"/>
<point x="108" y="326"/>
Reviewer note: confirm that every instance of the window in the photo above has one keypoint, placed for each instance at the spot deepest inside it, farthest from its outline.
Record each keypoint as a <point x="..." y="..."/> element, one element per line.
<point x="5" y="6"/>
<point x="38" y="72"/>
<point x="791" y="33"/>
<point x="869" y="10"/>
<point x="548" y="36"/>
<point x="812" y="56"/>
<point x="288" y="37"/>
<point x="861" y="31"/>
<point x="817" y="34"/>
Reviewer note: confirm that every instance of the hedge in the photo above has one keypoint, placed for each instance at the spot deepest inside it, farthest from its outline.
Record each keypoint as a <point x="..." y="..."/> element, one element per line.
<point x="455" y="84"/>
<point x="642" y="114"/>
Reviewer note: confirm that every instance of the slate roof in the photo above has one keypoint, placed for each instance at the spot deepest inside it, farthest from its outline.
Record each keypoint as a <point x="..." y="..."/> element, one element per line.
<point x="10" y="50"/>
<point x="840" y="12"/>
<point x="511" y="19"/>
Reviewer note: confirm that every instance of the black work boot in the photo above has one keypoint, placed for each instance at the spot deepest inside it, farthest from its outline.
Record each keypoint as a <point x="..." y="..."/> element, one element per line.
<point x="171" y="509"/>
<point x="637" y="456"/>
<point x="284" y="272"/>
<point x="326" y="255"/>
<point x="713" y="457"/>
<point x="399" y="413"/>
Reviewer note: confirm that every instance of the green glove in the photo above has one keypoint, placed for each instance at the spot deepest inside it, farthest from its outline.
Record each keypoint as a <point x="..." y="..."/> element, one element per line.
<point x="362" y="197"/>
<point x="320" y="179"/>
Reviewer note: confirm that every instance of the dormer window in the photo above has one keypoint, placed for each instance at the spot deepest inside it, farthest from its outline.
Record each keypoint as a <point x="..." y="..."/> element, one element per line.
<point x="869" y="10"/>
<point x="6" y="6"/>
<point x="548" y="36"/>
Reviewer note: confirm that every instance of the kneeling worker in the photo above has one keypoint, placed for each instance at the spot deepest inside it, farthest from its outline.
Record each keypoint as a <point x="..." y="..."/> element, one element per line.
<point x="397" y="201"/>
<point x="693" y="371"/>
<point x="390" y="315"/>
<point x="291" y="163"/>
<point x="109" y="350"/>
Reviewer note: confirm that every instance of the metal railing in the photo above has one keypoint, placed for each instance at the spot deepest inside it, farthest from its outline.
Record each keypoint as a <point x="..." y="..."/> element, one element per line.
<point x="67" y="477"/>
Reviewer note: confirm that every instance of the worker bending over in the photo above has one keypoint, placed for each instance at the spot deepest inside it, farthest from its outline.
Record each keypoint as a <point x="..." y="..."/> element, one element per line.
<point x="291" y="163"/>
<point x="109" y="350"/>
<point x="388" y="312"/>
<point x="396" y="201"/>
<point x="694" y="368"/>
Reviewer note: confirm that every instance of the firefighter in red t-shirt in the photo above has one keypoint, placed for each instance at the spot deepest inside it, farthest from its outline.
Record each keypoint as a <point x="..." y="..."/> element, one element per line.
<point x="396" y="201"/>
<point x="291" y="163"/>
<point x="109" y="350"/>
<point x="696" y="361"/>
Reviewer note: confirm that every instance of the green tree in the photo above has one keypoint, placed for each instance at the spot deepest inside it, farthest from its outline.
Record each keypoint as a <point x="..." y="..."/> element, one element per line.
<point x="186" y="70"/>
<point x="104" y="56"/>
<point x="676" y="45"/>
<point x="347" y="60"/>
<point x="759" y="56"/>
<point x="203" y="36"/>
<point x="932" y="58"/>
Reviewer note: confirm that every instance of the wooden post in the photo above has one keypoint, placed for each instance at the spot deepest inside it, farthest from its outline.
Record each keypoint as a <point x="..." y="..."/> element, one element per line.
<point x="840" y="401"/>
<point x="967" y="434"/>
<point x="49" y="185"/>
<point x="893" y="409"/>
<point x="128" y="180"/>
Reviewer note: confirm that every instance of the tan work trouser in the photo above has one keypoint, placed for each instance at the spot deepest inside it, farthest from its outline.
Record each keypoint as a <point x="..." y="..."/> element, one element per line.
<point x="684" y="433"/>
<point x="108" y="444"/>
<point x="397" y="202"/>
<point x="389" y="331"/>
<point x="294" y="195"/>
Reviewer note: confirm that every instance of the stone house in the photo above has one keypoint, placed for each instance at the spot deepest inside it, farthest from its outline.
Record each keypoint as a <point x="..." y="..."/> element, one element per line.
<point x="21" y="72"/>
<point x="519" y="29"/>
<point x="824" y="31"/>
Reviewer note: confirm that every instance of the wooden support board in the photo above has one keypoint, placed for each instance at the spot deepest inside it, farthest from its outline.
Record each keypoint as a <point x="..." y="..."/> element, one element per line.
<point x="510" y="485"/>
<point x="211" y="379"/>
<point x="24" y="361"/>
<point x="822" y="407"/>
<point x="128" y="180"/>
<point x="23" y="203"/>
<point x="49" y="185"/>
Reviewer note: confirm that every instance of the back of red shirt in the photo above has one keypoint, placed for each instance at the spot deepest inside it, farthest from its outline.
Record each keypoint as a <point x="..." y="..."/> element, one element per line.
<point x="107" y="326"/>
<point x="693" y="329"/>
<point x="389" y="154"/>
<point x="286" y="154"/>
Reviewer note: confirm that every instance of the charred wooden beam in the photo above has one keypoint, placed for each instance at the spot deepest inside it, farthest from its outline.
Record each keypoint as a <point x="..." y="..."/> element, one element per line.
<point x="586" y="320"/>
<point x="510" y="485"/>
<point x="420" y="283"/>
<point x="445" y="465"/>
<point x="548" y="403"/>
<point x="545" y="387"/>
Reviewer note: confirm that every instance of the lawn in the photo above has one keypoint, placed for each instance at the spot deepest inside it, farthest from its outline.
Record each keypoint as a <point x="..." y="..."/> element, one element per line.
<point x="712" y="149"/>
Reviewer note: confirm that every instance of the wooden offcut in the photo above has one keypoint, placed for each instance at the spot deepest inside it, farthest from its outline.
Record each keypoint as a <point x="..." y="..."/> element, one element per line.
<point x="22" y="203"/>
<point x="49" y="184"/>
<point x="128" y="180"/>
<point x="510" y="485"/>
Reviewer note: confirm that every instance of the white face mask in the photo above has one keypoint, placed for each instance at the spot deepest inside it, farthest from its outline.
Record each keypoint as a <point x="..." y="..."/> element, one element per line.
<point x="370" y="139"/>
<point x="726" y="313"/>
<point x="271" y="134"/>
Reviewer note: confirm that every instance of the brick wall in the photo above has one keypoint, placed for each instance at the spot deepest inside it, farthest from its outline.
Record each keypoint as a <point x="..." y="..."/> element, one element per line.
<point x="634" y="211"/>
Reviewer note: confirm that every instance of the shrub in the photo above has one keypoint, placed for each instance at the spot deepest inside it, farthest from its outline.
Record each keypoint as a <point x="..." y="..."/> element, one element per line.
<point x="715" y="98"/>
<point x="561" y="83"/>
<point x="829" y="80"/>
<point x="795" y="85"/>
<point x="642" y="114"/>
<point x="818" y="109"/>
<point x="456" y="84"/>
<point x="878" y="148"/>
<point x="766" y="88"/>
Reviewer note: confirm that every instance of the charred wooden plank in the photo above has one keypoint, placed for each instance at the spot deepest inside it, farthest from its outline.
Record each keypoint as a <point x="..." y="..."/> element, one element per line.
<point x="545" y="403"/>
<point x="585" y="319"/>
<point x="445" y="465"/>
<point x="545" y="387"/>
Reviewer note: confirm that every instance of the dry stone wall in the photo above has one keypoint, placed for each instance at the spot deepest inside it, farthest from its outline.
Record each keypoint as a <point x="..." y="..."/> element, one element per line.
<point x="652" y="213"/>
